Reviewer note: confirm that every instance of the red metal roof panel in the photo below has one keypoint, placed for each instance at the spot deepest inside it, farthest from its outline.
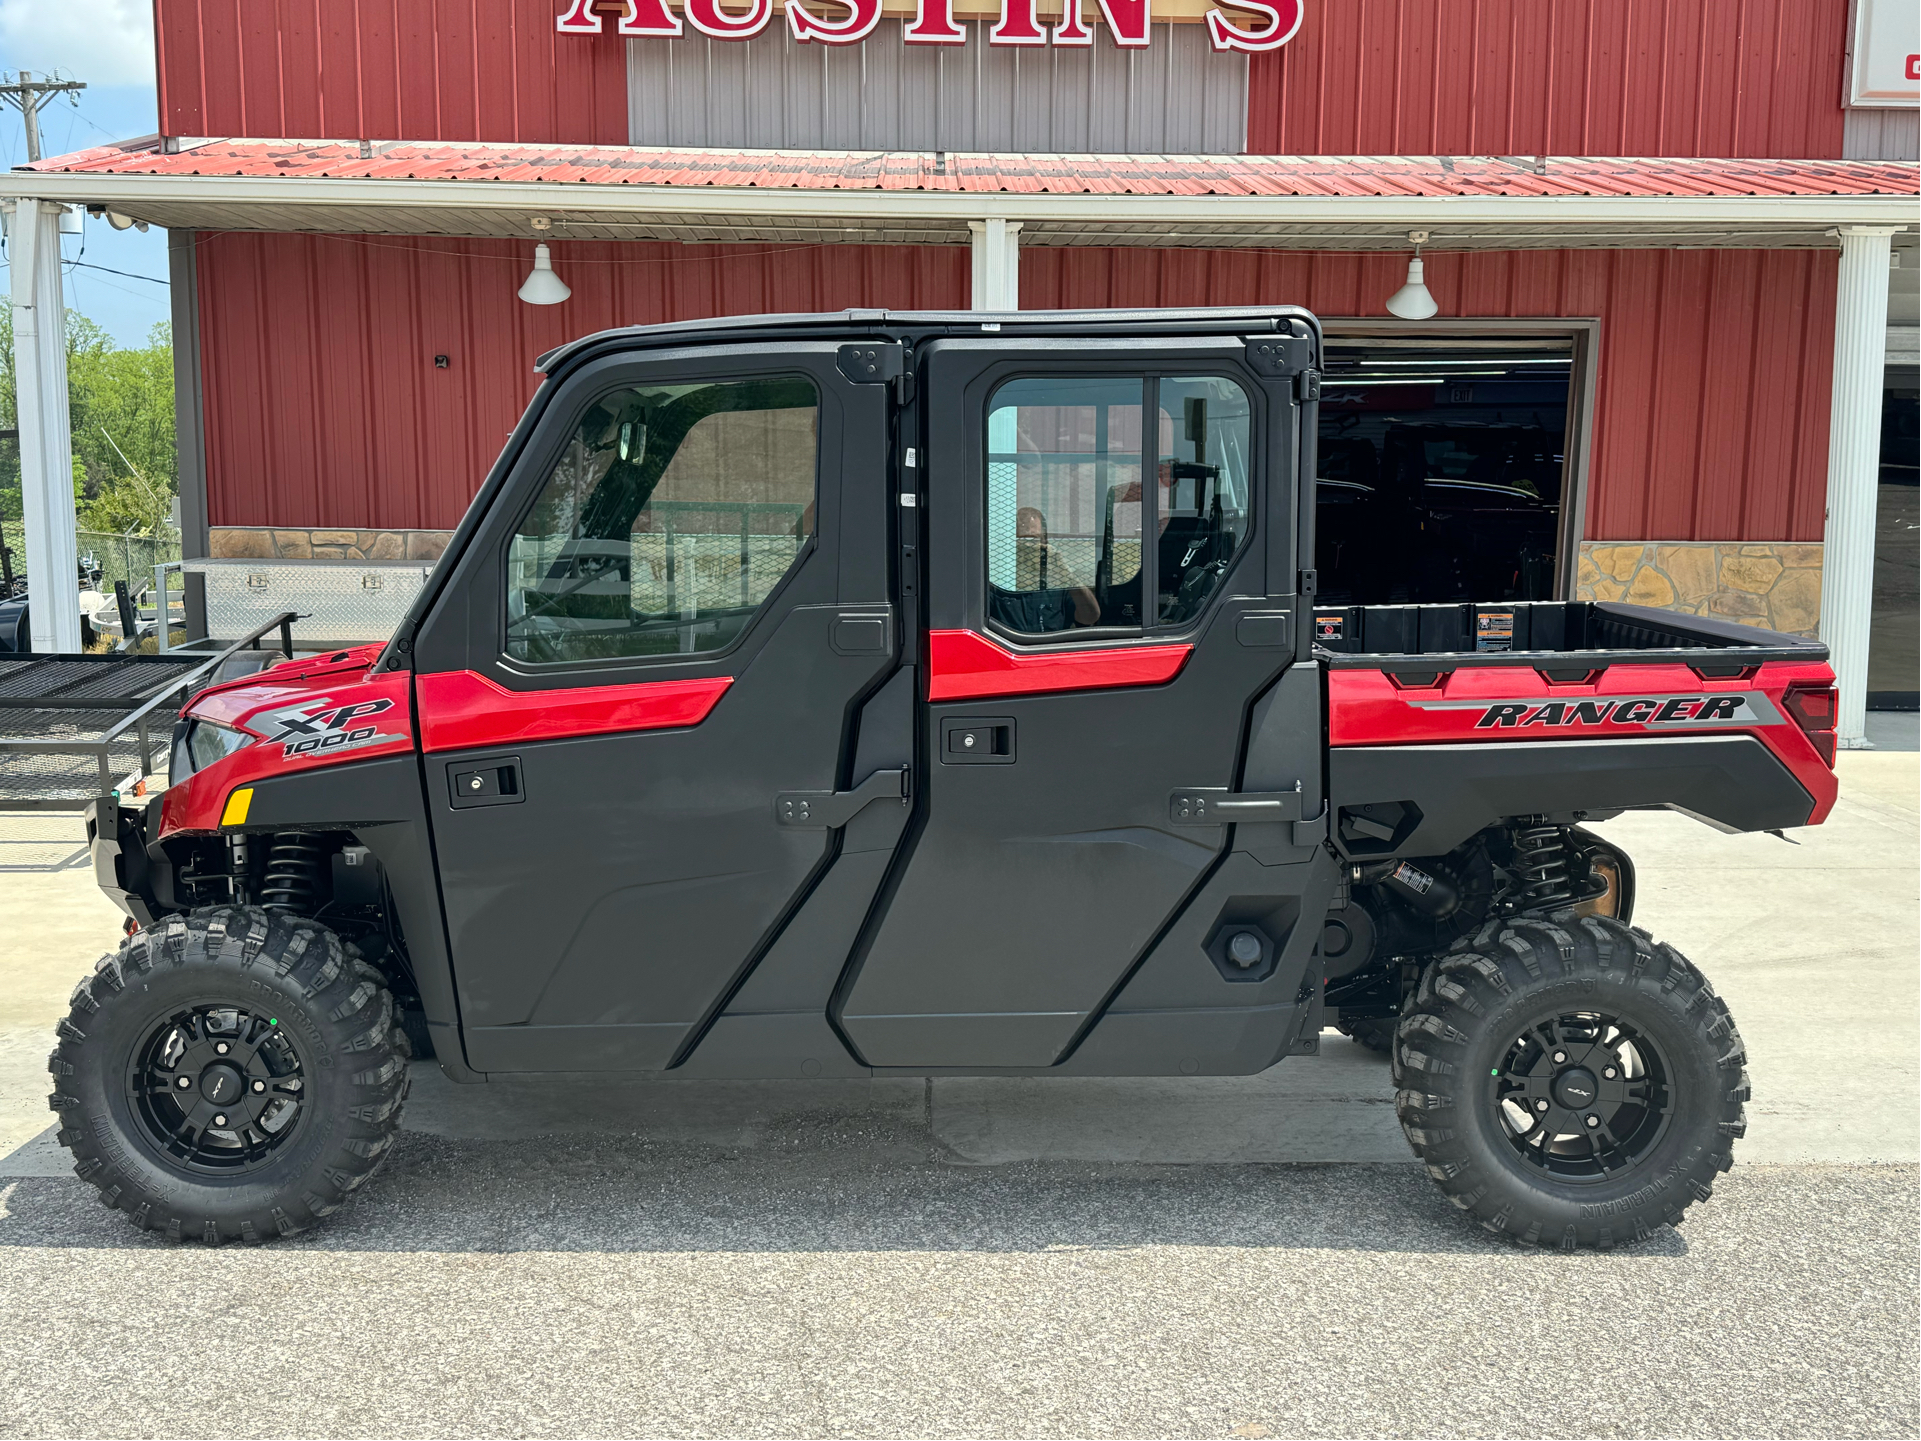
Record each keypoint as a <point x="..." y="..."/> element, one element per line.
<point x="1250" y="175"/>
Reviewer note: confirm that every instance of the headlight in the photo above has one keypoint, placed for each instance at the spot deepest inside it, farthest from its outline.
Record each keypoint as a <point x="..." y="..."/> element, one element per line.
<point x="198" y="744"/>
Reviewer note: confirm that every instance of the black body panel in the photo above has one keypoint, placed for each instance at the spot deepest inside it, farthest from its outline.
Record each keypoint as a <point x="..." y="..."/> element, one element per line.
<point x="1731" y="781"/>
<point x="1040" y="875"/>
<point x="604" y="918"/>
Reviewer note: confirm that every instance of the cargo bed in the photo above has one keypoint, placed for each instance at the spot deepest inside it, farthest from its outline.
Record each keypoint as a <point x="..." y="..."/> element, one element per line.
<point x="1408" y="638"/>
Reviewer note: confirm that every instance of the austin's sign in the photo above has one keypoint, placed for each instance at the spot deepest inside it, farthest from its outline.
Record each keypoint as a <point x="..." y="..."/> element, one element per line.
<point x="1231" y="24"/>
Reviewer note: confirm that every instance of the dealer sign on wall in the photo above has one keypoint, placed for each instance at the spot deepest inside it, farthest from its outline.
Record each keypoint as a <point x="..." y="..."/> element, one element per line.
<point x="1231" y="24"/>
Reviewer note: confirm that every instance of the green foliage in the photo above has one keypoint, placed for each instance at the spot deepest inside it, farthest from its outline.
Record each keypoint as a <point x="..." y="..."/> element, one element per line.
<point x="126" y="470"/>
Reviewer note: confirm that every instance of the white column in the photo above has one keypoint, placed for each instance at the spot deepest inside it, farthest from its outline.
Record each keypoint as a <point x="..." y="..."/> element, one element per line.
<point x="46" y="433"/>
<point x="997" y="264"/>
<point x="1854" y="461"/>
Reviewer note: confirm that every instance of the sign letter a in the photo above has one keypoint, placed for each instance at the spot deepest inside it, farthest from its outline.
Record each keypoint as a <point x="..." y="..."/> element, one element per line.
<point x="648" y="17"/>
<point x="578" y="19"/>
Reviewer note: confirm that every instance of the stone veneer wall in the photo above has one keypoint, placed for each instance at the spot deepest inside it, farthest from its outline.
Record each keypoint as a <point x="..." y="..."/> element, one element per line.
<point x="259" y="543"/>
<point x="1772" y="584"/>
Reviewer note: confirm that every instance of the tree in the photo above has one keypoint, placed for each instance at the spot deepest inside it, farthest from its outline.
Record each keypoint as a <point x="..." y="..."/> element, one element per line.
<point x="126" y="468"/>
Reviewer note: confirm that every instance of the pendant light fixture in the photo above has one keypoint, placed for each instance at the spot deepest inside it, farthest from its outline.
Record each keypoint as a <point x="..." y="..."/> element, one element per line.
<point x="1414" y="301"/>
<point x="542" y="286"/>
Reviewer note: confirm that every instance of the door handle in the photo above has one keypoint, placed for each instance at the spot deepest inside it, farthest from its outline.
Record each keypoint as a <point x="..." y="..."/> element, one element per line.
<point x="494" y="781"/>
<point x="828" y="810"/>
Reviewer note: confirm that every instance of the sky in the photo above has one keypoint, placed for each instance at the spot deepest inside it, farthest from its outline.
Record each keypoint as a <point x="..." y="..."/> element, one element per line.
<point x="108" y="44"/>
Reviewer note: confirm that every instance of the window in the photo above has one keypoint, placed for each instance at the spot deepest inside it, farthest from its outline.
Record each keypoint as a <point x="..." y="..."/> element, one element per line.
<point x="669" y="520"/>
<point x="1066" y="511"/>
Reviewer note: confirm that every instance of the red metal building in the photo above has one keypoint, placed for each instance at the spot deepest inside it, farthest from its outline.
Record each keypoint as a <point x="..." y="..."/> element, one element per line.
<point x="1665" y="207"/>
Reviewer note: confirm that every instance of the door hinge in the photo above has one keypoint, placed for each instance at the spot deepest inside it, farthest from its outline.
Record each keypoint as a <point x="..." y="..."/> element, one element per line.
<point x="1279" y="356"/>
<point x="828" y="810"/>
<point x="1307" y="386"/>
<point x="871" y="362"/>
<point x="1309" y="584"/>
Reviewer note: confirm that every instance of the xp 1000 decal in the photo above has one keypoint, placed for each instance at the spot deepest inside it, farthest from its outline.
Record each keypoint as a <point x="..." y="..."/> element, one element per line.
<point x="1742" y="709"/>
<point x="325" y="725"/>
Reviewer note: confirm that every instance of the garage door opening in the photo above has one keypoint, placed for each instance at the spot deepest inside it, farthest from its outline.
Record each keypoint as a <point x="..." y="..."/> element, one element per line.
<point x="1443" y="469"/>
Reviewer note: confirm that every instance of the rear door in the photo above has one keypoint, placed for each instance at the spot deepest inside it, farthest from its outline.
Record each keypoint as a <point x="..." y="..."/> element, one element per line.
<point x="1111" y="584"/>
<point x="645" y="664"/>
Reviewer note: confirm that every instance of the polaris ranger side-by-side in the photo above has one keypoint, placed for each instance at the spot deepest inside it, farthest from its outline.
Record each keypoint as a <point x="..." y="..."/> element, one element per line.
<point x="933" y="694"/>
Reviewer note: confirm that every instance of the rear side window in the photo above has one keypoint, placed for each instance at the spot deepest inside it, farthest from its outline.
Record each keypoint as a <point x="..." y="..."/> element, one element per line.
<point x="1074" y="540"/>
<point x="670" y="518"/>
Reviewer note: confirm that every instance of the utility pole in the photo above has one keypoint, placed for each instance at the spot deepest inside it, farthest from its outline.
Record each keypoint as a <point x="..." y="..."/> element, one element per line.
<point x="27" y="95"/>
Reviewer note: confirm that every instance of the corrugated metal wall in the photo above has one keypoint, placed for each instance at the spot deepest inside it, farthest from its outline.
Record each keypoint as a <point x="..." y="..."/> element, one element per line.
<point x="1883" y="135"/>
<point x="325" y="408"/>
<point x="386" y="70"/>
<point x="1179" y="96"/>
<point x="1712" y="383"/>
<point x="1555" y="77"/>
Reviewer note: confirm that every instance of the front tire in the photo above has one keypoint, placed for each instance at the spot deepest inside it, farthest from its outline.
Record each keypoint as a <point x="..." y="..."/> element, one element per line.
<point x="1569" y="1082"/>
<point x="232" y="1074"/>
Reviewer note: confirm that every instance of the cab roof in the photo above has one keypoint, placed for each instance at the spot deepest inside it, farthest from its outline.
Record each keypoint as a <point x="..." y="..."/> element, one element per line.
<point x="917" y="324"/>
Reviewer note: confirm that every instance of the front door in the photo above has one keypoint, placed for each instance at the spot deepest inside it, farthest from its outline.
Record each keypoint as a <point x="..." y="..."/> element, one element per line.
<point x="1111" y="551"/>
<point x="668" y="619"/>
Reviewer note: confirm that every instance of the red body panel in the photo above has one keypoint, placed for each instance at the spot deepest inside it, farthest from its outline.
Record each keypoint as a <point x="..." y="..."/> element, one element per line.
<point x="461" y="709"/>
<point x="1517" y="705"/>
<point x="963" y="665"/>
<point x="303" y="714"/>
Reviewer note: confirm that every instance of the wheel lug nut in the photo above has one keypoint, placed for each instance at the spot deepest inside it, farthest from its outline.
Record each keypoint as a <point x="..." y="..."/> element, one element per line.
<point x="1540" y="1105"/>
<point x="1607" y="1073"/>
<point x="1593" y="1121"/>
<point x="220" y="1049"/>
<point x="220" y="1120"/>
<point x="260" y="1085"/>
<point x="184" y="1082"/>
<point x="1559" y="1057"/>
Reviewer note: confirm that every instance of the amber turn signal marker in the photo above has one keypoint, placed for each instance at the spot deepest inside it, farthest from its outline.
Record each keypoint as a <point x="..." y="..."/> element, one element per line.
<point x="236" y="812"/>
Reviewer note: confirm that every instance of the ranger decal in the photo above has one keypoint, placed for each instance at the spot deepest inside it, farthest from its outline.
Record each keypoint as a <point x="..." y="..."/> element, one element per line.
<point x="1743" y="708"/>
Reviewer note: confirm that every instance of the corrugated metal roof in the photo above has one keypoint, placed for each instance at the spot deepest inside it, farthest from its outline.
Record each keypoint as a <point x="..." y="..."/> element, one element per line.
<point x="1277" y="176"/>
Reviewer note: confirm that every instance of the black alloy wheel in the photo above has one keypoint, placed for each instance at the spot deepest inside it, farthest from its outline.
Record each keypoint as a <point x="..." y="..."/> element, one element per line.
<point x="231" y="1074"/>
<point x="1583" y="1096"/>
<point x="217" y="1089"/>
<point x="1568" y="1081"/>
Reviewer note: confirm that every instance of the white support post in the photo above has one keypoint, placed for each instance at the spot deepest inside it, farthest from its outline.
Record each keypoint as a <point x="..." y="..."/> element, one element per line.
<point x="997" y="264"/>
<point x="46" y="434"/>
<point x="1854" y="462"/>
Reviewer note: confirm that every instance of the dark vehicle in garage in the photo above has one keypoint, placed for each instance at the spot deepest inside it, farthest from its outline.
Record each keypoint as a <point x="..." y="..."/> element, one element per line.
<point x="934" y="694"/>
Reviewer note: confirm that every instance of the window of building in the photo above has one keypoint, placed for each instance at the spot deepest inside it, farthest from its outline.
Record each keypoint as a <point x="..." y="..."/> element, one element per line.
<point x="669" y="520"/>
<point x="1067" y="511"/>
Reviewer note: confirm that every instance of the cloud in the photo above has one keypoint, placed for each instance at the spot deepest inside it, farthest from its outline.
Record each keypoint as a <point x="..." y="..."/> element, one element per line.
<point x="104" y="42"/>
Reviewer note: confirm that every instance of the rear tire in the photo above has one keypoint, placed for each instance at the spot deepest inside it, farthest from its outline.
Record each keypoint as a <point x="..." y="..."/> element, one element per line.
<point x="231" y="1074"/>
<point x="1568" y="1082"/>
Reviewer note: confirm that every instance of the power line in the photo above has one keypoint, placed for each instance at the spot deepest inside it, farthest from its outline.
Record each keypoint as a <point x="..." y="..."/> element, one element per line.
<point x="28" y="95"/>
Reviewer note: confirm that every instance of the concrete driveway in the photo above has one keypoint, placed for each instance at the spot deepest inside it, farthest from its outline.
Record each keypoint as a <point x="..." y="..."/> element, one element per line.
<point x="579" y="1256"/>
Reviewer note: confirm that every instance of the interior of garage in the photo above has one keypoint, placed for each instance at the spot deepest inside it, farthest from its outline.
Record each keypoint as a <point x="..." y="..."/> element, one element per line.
<point x="1443" y="468"/>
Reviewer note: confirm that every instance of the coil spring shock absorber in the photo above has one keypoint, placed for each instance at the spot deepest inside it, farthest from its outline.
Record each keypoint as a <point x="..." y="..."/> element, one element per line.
<point x="292" y="881"/>
<point x="1541" y="861"/>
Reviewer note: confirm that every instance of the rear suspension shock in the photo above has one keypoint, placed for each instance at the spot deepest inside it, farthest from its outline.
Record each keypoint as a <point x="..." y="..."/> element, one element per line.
<point x="292" y="881"/>
<point x="1541" y="862"/>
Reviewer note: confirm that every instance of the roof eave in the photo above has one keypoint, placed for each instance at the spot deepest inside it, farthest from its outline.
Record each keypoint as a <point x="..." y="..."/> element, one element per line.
<point x="879" y="208"/>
